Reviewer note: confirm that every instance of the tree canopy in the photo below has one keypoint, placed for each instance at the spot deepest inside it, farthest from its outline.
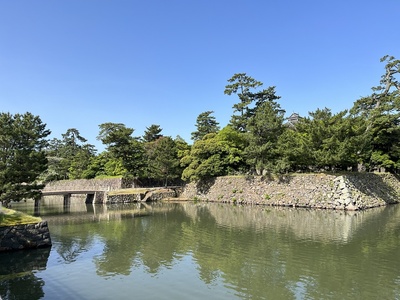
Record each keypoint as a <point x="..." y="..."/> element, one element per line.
<point x="122" y="145"/>
<point x="152" y="133"/>
<point x="257" y="140"/>
<point x="205" y="124"/>
<point x="22" y="156"/>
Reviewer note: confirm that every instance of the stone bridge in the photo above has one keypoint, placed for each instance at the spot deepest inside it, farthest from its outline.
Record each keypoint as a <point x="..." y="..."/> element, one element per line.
<point x="95" y="189"/>
<point x="100" y="191"/>
<point x="92" y="196"/>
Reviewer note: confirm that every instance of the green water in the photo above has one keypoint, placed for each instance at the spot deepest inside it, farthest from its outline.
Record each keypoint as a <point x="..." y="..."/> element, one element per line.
<point x="208" y="251"/>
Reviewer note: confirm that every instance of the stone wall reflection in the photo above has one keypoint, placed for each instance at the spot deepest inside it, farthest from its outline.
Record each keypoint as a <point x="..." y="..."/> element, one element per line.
<point x="309" y="224"/>
<point x="17" y="270"/>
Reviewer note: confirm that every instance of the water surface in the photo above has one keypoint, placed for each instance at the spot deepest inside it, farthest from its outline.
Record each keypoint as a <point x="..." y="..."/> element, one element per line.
<point x="207" y="250"/>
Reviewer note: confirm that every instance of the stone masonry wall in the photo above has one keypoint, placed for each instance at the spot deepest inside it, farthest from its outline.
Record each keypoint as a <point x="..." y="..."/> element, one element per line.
<point x="150" y="195"/>
<point x="107" y="184"/>
<point x="26" y="236"/>
<point x="352" y="191"/>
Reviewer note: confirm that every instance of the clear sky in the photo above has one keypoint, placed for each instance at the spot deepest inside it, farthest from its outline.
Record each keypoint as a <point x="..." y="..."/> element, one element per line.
<point x="81" y="63"/>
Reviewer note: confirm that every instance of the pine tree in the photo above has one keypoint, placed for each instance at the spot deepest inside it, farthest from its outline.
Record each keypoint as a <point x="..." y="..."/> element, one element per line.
<point x="22" y="156"/>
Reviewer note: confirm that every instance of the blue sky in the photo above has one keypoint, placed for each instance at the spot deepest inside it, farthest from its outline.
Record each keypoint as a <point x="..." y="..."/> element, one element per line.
<point x="81" y="63"/>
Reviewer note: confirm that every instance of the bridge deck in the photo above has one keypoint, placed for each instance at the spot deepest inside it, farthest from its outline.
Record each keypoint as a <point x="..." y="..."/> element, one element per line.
<point x="52" y="193"/>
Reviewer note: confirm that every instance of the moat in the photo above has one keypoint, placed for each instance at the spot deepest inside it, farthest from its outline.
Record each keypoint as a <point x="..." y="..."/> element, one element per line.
<point x="207" y="251"/>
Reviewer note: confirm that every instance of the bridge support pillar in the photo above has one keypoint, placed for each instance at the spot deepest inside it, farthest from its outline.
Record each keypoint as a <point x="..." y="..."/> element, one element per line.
<point x="67" y="199"/>
<point x="67" y="202"/>
<point x="89" y="198"/>
<point x="100" y="197"/>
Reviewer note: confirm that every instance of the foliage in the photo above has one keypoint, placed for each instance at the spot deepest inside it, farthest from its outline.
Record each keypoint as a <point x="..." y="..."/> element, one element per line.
<point x="152" y="133"/>
<point x="123" y="146"/>
<point x="217" y="154"/>
<point x="380" y="115"/>
<point x="182" y="147"/>
<point x="256" y="141"/>
<point x="205" y="124"/>
<point x="22" y="156"/>
<point x="264" y="127"/>
<point x="241" y="84"/>
<point x="319" y="142"/>
<point x="69" y="157"/>
<point x="162" y="160"/>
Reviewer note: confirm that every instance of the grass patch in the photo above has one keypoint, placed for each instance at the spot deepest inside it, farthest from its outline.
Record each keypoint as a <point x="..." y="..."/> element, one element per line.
<point x="9" y="217"/>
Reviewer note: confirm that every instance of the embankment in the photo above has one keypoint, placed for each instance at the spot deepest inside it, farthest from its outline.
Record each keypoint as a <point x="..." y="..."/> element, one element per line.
<point x="24" y="236"/>
<point x="351" y="191"/>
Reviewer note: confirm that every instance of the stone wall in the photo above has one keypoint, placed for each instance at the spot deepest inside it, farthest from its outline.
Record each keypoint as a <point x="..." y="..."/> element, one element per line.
<point x="123" y="198"/>
<point x="25" y="236"/>
<point x="107" y="184"/>
<point x="149" y="195"/>
<point x="351" y="191"/>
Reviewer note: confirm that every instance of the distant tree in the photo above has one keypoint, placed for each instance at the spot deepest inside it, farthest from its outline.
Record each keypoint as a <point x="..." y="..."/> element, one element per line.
<point x="104" y="164"/>
<point x="217" y="154"/>
<point x="22" y="156"/>
<point x="68" y="157"/>
<point x="380" y="115"/>
<point x="163" y="162"/>
<point x="263" y="96"/>
<point x="152" y="133"/>
<point x="330" y="138"/>
<point x="322" y="141"/>
<point x="205" y="124"/>
<point x="72" y="140"/>
<point x="81" y="161"/>
<point x="293" y="151"/>
<point x="122" y="145"/>
<point x="182" y="146"/>
<point x="241" y="84"/>
<point x="263" y="130"/>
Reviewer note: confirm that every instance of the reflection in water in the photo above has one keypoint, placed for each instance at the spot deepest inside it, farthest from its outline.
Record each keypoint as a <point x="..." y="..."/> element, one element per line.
<point x="17" y="277"/>
<point x="187" y="250"/>
<point x="328" y="225"/>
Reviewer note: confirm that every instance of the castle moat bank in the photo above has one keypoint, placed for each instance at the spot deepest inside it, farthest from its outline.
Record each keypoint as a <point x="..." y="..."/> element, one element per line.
<point x="350" y="191"/>
<point x="347" y="191"/>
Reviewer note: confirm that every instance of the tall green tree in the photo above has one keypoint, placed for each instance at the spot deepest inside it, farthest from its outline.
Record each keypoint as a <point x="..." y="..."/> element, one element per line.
<point x="321" y="141"/>
<point x="264" y="127"/>
<point x="81" y="161"/>
<point x="162" y="160"/>
<point x="293" y="149"/>
<point x="182" y="146"/>
<point x="331" y="139"/>
<point x="122" y="145"/>
<point x="22" y="156"/>
<point x="217" y="154"/>
<point x="104" y="164"/>
<point x="242" y="85"/>
<point x="205" y="124"/>
<point x="69" y="156"/>
<point x="380" y="112"/>
<point x="152" y="133"/>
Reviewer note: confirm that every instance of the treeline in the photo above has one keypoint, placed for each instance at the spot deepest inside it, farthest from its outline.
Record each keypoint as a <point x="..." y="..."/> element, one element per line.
<point x="257" y="140"/>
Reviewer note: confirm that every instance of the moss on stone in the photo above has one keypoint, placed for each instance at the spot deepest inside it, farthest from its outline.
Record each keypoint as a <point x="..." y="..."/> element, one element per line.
<point x="9" y="217"/>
